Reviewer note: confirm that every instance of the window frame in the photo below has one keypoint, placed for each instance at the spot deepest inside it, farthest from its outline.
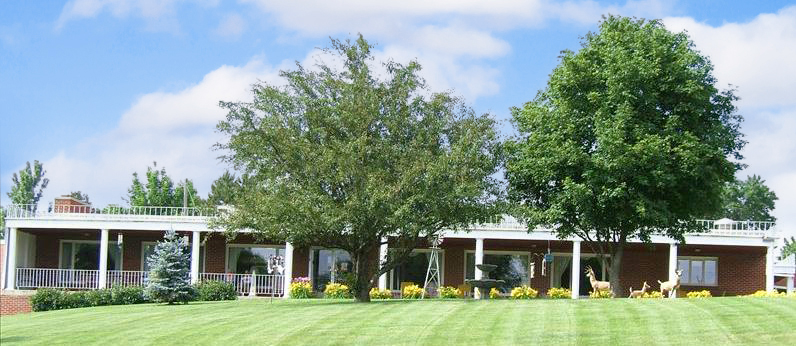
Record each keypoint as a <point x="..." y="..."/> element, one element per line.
<point x="391" y="273"/>
<point x="702" y="259"/>
<point x="83" y="241"/>
<point x="267" y="246"/>
<point x="144" y="243"/>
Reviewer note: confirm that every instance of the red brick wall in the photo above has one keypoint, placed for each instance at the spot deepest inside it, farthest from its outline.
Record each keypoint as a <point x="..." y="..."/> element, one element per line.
<point x="11" y="304"/>
<point x="741" y="270"/>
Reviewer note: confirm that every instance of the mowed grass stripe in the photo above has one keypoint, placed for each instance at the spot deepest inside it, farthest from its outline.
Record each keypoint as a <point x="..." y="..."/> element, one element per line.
<point x="714" y="321"/>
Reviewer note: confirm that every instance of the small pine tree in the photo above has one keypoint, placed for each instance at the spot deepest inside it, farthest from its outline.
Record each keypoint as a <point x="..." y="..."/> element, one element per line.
<point x="169" y="276"/>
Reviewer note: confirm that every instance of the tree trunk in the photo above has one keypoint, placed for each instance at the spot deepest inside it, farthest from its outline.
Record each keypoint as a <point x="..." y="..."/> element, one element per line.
<point x="364" y="271"/>
<point x="615" y="270"/>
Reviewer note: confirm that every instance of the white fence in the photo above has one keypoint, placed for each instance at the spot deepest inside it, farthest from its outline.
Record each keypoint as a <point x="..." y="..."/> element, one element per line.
<point x="57" y="278"/>
<point x="126" y="278"/>
<point x="264" y="285"/>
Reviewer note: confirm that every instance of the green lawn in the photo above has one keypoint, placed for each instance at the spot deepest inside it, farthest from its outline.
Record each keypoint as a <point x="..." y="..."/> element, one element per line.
<point x="715" y="321"/>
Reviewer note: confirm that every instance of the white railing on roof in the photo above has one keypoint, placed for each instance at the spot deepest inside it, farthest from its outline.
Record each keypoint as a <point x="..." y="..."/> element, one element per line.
<point x="727" y="227"/>
<point x="76" y="279"/>
<point x="723" y="227"/>
<point x="26" y="211"/>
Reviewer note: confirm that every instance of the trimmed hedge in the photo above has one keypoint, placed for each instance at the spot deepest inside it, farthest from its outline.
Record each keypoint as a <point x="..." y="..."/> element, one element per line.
<point x="52" y="299"/>
<point x="216" y="290"/>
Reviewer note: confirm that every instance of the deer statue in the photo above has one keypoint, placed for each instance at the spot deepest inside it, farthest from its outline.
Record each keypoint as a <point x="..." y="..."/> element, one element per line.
<point x="640" y="293"/>
<point x="597" y="285"/>
<point x="671" y="286"/>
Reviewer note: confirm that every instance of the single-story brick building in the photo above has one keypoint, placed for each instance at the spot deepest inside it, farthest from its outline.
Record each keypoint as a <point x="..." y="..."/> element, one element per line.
<point x="76" y="246"/>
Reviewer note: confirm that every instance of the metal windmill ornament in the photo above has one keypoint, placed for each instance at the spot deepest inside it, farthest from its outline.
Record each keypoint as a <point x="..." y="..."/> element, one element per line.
<point x="433" y="280"/>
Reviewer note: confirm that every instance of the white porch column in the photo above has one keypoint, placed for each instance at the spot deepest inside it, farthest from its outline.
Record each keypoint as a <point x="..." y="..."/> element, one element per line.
<point x="103" y="260"/>
<point x="575" y="275"/>
<point x="288" y="269"/>
<point x="672" y="266"/>
<point x="11" y="249"/>
<point x="382" y="259"/>
<point x="789" y="287"/>
<point x="479" y="259"/>
<point x="770" y="268"/>
<point x="196" y="242"/>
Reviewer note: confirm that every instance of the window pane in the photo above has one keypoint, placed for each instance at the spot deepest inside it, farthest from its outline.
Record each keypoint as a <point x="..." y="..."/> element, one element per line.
<point x="66" y="255"/>
<point x="513" y="269"/>
<point x="244" y="260"/>
<point x="710" y="272"/>
<point x="697" y="276"/>
<point x="470" y="267"/>
<point x="201" y="258"/>
<point x="86" y="256"/>
<point x="685" y="266"/>
<point x="321" y="269"/>
<point x="114" y="256"/>
<point x="149" y="249"/>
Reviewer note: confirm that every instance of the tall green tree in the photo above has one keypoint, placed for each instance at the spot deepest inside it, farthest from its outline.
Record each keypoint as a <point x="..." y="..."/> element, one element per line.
<point x="28" y="185"/>
<point x="630" y="137"/>
<point x="159" y="190"/>
<point x="748" y="199"/>
<point x="225" y="190"/>
<point x="789" y="248"/>
<point x="343" y="158"/>
<point x="170" y="273"/>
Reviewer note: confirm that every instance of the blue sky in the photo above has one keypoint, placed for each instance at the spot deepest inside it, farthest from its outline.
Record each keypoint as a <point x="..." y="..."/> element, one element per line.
<point x="99" y="89"/>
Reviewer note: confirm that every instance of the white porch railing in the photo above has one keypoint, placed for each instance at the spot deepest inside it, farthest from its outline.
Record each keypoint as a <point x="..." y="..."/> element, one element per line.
<point x="126" y="278"/>
<point x="263" y="284"/>
<point x="57" y="278"/>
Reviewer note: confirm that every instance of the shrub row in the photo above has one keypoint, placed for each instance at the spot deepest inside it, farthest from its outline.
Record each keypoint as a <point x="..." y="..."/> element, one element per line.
<point x="53" y="299"/>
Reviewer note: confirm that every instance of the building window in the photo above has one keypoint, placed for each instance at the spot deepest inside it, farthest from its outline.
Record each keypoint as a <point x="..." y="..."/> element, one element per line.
<point x="413" y="270"/>
<point x="148" y="248"/>
<point x="513" y="268"/>
<point x="330" y="265"/>
<point x="698" y="271"/>
<point x="264" y="260"/>
<point x="77" y="254"/>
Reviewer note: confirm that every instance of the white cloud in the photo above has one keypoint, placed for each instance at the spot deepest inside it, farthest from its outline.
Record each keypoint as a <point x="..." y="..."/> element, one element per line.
<point x="756" y="56"/>
<point x="770" y="154"/>
<point x="231" y="26"/>
<point x="175" y="129"/>
<point x="158" y="13"/>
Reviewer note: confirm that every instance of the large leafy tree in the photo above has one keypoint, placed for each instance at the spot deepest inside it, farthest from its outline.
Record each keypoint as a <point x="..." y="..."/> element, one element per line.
<point x="226" y="189"/>
<point x="341" y="158"/>
<point x="630" y="137"/>
<point x="159" y="190"/>
<point x="28" y="185"/>
<point x="748" y="199"/>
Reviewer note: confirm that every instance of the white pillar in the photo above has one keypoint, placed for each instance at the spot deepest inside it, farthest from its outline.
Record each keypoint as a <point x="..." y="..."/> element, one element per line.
<point x="672" y="261"/>
<point x="195" y="247"/>
<point x="672" y="267"/>
<point x="770" y="268"/>
<point x="382" y="259"/>
<point x="575" y="275"/>
<point x="11" y="249"/>
<point x="789" y="286"/>
<point x="103" y="260"/>
<point x="479" y="259"/>
<point x="288" y="269"/>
